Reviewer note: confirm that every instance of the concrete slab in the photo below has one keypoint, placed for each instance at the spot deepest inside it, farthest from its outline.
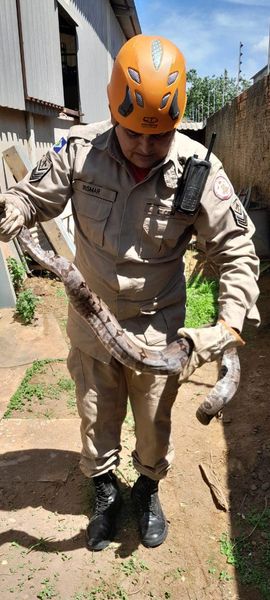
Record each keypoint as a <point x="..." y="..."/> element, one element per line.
<point x="38" y="450"/>
<point x="22" y="344"/>
<point x="10" y="381"/>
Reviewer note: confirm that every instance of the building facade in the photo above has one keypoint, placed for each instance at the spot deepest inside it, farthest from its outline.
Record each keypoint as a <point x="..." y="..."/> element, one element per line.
<point x="56" y="58"/>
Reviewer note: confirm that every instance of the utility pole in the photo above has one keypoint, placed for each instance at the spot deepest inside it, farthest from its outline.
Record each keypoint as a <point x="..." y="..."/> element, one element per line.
<point x="239" y="66"/>
<point x="268" y="63"/>
<point x="224" y="87"/>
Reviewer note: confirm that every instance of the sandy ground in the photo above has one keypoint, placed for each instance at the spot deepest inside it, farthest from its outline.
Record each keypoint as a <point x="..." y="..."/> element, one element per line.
<point x="46" y="501"/>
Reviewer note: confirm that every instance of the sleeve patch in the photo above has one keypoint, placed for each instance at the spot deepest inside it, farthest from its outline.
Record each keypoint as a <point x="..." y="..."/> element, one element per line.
<point x="222" y="188"/>
<point x="42" y="167"/>
<point x="59" y="145"/>
<point x="239" y="214"/>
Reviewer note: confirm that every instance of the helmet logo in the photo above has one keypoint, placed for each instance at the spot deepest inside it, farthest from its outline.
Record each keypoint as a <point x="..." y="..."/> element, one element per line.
<point x="150" y="119"/>
<point x="149" y="122"/>
<point x="157" y="52"/>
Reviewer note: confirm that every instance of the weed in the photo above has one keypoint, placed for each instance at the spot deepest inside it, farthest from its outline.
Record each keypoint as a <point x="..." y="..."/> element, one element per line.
<point x="132" y="566"/>
<point x="48" y="414"/>
<point x="41" y="544"/>
<point x="65" y="384"/>
<point x="228" y="549"/>
<point x="26" y="306"/>
<point x="174" y="574"/>
<point x="201" y="305"/>
<point x="71" y="403"/>
<point x="15" y="544"/>
<point x="26" y="391"/>
<point x="102" y="592"/>
<point x="252" y="566"/>
<point x="259" y="519"/>
<point x="60" y="293"/>
<point x="224" y="576"/>
<point x="48" y="591"/>
<point x="17" y="273"/>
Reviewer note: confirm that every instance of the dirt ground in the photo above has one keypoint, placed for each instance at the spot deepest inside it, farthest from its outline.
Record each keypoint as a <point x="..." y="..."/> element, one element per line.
<point x="43" y="519"/>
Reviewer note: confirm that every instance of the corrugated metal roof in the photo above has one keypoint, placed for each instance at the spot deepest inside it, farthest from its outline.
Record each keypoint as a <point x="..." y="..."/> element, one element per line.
<point x="93" y="63"/>
<point x="190" y="125"/>
<point x="262" y="73"/>
<point x="42" y="54"/>
<point x="126" y="13"/>
<point x="11" y="88"/>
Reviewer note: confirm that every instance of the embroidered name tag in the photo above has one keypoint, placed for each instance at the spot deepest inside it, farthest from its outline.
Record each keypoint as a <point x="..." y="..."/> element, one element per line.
<point x="94" y="190"/>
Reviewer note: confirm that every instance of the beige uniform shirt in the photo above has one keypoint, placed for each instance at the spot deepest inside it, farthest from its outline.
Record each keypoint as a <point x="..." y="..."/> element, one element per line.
<point x="129" y="241"/>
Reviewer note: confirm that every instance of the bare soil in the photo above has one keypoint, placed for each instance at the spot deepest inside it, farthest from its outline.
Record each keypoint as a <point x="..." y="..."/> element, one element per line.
<point x="43" y="552"/>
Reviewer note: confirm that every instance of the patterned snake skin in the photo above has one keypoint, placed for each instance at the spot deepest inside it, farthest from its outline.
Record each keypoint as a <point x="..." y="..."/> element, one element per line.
<point x="169" y="361"/>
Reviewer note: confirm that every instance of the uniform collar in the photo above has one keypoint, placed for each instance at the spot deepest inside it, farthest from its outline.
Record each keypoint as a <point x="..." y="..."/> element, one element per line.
<point x="107" y="141"/>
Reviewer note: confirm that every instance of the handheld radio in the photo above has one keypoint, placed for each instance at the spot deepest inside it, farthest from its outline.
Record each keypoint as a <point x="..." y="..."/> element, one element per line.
<point x="192" y="182"/>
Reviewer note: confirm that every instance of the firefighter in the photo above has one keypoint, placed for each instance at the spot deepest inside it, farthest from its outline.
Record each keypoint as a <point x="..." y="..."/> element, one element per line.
<point x="122" y="176"/>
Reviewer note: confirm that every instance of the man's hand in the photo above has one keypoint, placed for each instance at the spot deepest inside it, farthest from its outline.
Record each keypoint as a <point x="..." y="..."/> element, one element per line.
<point x="11" y="219"/>
<point x="208" y="344"/>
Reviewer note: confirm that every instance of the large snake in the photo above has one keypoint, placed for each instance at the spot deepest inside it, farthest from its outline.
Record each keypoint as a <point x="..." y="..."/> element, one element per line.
<point x="168" y="361"/>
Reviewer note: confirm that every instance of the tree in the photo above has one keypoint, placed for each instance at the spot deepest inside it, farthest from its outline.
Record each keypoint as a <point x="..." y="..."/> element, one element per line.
<point x="206" y="95"/>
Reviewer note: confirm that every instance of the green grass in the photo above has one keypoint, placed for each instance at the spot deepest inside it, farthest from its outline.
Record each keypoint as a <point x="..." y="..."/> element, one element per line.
<point x="48" y="591"/>
<point x="201" y="304"/>
<point x="27" y="390"/>
<point x="250" y="554"/>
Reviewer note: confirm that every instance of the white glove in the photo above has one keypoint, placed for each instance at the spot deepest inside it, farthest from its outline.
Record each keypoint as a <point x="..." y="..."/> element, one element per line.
<point x="208" y="344"/>
<point x="11" y="219"/>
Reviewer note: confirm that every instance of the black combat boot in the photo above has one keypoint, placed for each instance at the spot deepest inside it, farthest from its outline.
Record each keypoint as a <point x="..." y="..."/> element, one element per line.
<point x="101" y="529"/>
<point x="153" y="526"/>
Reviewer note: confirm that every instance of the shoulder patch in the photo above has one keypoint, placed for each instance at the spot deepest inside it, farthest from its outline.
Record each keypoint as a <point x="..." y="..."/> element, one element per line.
<point x="222" y="188"/>
<point x="239" y="214"/>
<point x="59" y="145"/>
<point x="41" y="168"/>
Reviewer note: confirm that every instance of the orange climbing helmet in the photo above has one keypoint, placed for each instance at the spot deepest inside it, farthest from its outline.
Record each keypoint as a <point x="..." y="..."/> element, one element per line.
<point x="147" y="90"/>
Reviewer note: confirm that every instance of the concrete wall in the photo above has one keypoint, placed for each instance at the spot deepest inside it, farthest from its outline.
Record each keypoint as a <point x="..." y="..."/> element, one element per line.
<point x="243" y="139"/>
<point x="14" y="129"/>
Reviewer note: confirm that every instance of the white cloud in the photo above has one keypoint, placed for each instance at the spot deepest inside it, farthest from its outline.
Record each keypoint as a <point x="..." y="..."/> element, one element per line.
<point x="264" y="3"/>
<point x="225" y="19"/>
<point x="210" y="40"/>
<point x="262" y="45"/>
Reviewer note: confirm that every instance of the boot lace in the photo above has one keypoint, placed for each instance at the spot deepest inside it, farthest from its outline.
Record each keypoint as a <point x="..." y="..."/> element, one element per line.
<point x="102" y="496"/>
<point x="147" y="500"/>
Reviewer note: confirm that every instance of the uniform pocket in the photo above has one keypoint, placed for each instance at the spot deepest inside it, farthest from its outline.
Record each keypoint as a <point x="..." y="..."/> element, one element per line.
<point x="92" y="207"/>
<point x="162" y="231"/>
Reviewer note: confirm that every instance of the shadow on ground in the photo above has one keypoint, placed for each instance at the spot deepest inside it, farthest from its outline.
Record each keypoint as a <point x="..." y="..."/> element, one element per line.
<point x="21" y="489"/>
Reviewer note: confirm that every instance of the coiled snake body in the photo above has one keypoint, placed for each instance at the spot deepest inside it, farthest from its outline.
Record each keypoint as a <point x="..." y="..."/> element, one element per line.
<point x="169" y="361"/>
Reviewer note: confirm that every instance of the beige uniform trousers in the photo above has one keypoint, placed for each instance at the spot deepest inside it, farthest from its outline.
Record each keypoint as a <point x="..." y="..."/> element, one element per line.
<point x="102" y="391"/>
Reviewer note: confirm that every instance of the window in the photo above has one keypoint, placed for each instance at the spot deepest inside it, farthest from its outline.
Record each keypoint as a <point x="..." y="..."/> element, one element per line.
<point x="68" y="43"/>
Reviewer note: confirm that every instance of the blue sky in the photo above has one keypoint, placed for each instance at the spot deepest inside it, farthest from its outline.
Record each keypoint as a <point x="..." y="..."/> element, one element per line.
<point x="208" y="32"/>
